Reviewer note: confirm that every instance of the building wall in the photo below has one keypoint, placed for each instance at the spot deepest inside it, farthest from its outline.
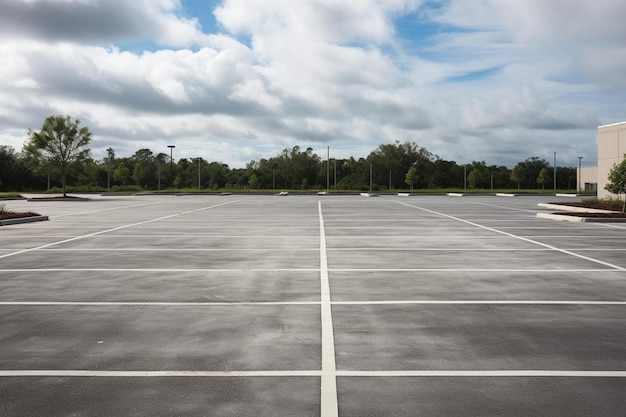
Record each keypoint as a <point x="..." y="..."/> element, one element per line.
<point x="588" y="177"/>
<point x="611" y="150"/>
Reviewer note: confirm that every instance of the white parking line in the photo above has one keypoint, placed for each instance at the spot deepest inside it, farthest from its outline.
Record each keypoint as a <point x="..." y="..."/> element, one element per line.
<point x="106" y="209"/>
<point x="101" y="232"/>
<point x="308" y="373"/>
<point x="145" y="374"/>
<point x="329" y="405"/>
<point x="159" y="270"/>
<point x="487" y="373"/>
<point x="483" y="302"/>
<point x="156" y="303"/>
<point x="281" y="303"/>
<point x="587" y="258"/>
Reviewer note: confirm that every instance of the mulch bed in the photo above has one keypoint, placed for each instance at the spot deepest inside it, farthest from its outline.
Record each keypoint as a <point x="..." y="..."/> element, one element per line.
<point x="596" y="215"/>
<point x="13" y="215"/>
<point x="592" y="205"/>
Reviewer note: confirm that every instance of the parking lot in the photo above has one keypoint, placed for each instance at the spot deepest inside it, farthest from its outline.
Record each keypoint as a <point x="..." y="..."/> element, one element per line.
<point x="325" y="305"/>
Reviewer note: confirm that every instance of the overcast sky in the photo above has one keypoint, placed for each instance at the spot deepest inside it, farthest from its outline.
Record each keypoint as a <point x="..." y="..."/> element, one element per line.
<point x="235" y="80"/>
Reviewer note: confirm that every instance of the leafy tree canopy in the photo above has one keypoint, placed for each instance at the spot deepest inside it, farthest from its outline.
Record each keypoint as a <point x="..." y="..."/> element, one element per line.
<point x="61" y="142"/>
<point x="617" y="181"/>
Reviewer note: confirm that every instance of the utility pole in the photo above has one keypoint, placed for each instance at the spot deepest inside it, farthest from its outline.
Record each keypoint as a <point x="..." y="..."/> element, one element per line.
<point x="171" y="166"/>
<point x="580" y="160"/>
<point x="554" y="171"/>
<point x="328" y="169"/>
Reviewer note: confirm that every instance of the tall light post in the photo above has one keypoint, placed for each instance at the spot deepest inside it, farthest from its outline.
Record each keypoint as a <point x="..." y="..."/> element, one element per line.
<point x="580" y="159"/>
<point x="554" y="171"/>
<point x="328" y="169"/>
<point x="110" y="156"/>
<point x="199" y="171"/>
<point x="171" y="165"/>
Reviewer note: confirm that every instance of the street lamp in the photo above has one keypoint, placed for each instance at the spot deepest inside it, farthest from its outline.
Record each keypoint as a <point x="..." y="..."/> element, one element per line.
<point x="171" y="165"/>
<point x="554" y="171"/>
<point x="110" y="156"/>
<point x="580" y="159"/>
<point x="327" y="169"/>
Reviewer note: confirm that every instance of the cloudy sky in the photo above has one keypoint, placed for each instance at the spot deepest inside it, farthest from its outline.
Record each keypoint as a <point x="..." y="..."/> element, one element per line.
<point x="237" y="80"/>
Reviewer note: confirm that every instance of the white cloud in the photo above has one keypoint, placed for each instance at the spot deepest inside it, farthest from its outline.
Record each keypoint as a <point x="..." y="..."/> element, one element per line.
<point x="500" y="81"/>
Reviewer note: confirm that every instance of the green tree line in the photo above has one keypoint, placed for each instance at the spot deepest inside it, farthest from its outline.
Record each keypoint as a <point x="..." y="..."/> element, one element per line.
<point x="394" y="166"/>
<point x="397" y="166"/>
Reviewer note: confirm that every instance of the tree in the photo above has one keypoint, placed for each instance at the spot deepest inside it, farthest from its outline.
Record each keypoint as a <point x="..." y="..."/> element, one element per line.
<point x="518" y="174"/>
<point x="617" y="181"/>
<point x="479" y="176"/>
<point x="543" y="178"/>
<point x="121" y="173"/>
<point x="391" y="161"/>
<point x="411" y="177"/>
<point x="62" y="142"/>
<point x="14" y="174"/>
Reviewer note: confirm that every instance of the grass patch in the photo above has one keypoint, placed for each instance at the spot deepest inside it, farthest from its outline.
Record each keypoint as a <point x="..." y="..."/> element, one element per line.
<point x="10" y="194"/>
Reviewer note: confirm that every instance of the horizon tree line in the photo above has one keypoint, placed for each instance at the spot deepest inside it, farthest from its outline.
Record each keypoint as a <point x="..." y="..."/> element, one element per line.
<point x="60" y="152"/>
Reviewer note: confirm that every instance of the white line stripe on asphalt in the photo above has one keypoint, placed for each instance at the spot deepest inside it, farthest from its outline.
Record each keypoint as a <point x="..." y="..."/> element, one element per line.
<point x="304" y="373"/>
<point x="106" y="209"/>
<point x="165" y="270"/>
<point x="329" y="405"/>
<point x="154" y="303"/>
<point x="275" y="303"/>
<point x="479" y="373"/>
<point x="100" y="232"/>
<point x="221" y="374"/>
<point x="587" y="258"/>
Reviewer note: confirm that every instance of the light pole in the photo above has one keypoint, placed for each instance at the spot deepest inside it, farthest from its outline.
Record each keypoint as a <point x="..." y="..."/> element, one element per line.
<point x="554" y="171"/>
<point x="328" y="169"/>
<point x="580" y="159"/>
<point x="110" y="156"/>
<point x="171" y="165"/>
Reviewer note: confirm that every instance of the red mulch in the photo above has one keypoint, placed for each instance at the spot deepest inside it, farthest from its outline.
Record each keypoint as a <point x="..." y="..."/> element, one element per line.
<point x="598" y="215"/>
<point x="11" y="215"/>
<point x="591" y="204"/>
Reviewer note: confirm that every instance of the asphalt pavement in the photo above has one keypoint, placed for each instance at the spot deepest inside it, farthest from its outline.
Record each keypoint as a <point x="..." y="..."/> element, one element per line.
<point x="313" y="305"/>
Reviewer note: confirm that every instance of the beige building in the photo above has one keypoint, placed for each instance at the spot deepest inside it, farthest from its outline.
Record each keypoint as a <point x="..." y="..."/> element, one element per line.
<point x="587" y="178"/>
<point x="611" y="150"/>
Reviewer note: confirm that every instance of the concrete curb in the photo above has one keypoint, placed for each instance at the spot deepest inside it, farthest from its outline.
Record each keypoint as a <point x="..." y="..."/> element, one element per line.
<point x="572" y="208"/>
<point x="19" y="220"/>
<point x="577" y="219"/>
<point x="47" y="199"/>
